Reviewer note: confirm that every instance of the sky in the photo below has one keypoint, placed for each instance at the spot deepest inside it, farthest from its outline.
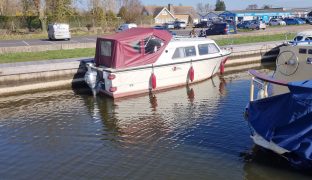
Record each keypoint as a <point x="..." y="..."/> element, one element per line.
<point x="235" y="4"/>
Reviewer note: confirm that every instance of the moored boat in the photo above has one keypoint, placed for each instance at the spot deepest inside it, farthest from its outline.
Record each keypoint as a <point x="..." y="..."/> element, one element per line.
<point x="280" y="117"/>
<point x="142" y="60"/>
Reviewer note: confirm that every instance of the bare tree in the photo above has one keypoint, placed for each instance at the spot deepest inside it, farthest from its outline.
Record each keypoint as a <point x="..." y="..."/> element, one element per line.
<point x="39" y="6"/>
<point x="252" y="6"/>
<point x="27" y="7"/>
<point x="110" y="5"/>
<point x="203" y="8"/>
<point x="2" y="5"/>
<point x="97" y="11"/>
<point x="59" y="9"/>
<point x="11" y="7"/>
<point x="133" y="10"/>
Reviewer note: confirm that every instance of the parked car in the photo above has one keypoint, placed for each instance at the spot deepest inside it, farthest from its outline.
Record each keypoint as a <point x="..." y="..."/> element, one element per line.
<point x="292" y="21"/>
<point x="303" y="36"/>
<point x="243" y="24"/>
<point x="306" y="20"/>
<point x="301" y="21"/>
<point x="202" y="24"/>
<point x="169" y="25"/>
<point x="309" y="20"/>
<point x="164" y="28"/>
<point x="58" y="31"/>
<point x="220" y="28"/>
<point x="256" y="24"/>
<point x="179" y="25"/>
<point x="277" y="22"/>
<point x="124" y="27"/>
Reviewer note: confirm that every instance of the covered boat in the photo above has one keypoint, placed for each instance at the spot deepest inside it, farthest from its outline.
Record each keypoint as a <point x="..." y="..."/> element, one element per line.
<point x="280" y="116"/>
<point x="142" y="60"/>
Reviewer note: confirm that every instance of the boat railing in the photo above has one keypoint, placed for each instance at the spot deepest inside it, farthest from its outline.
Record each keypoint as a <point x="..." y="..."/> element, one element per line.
<point x="262" y="81"/>
<point x="295" y="43"/>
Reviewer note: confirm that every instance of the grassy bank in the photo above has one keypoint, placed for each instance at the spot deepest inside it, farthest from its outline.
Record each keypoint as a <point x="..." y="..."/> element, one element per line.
<point x="41" y="35"/>
<point x="35" y="56"/>
<point x="254" y="39"/>
<point x="89" y="52"/>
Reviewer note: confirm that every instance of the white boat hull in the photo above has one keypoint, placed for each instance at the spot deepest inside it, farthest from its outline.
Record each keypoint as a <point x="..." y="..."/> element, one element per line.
<point x="138" y="80"/>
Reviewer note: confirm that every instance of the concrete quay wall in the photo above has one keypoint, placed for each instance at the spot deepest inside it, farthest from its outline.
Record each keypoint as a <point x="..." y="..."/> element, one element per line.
<point x="17" y="78"/>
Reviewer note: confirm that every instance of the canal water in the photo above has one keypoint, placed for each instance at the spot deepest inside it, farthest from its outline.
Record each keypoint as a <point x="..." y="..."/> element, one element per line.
<point x="185" y="133"/>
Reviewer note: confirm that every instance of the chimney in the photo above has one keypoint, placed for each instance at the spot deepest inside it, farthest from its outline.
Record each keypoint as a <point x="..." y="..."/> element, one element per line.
<point x="170" y="8"/>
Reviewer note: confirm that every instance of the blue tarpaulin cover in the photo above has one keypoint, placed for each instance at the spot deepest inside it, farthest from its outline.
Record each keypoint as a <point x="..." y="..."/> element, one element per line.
<point x="286" y="119"/>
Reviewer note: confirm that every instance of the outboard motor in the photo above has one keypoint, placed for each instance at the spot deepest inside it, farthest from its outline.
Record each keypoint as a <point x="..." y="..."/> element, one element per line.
<point x="91" y="78"/>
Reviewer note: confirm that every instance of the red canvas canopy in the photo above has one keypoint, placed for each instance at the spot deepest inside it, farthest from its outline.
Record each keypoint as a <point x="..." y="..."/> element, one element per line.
<point x="134" y="47"/>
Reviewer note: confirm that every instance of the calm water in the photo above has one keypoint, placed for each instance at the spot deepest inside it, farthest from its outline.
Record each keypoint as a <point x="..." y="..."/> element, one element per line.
<point x="186" y="133"/>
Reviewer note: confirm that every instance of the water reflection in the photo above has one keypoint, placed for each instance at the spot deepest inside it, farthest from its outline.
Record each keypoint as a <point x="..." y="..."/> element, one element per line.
<point x="152" y="117"/>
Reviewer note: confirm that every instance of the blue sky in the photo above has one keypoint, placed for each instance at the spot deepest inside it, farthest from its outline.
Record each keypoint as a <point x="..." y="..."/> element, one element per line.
<point x="235" y="4"/>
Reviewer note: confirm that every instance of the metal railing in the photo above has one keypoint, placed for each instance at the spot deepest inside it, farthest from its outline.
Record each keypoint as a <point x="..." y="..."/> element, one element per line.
<point x="262" y="82"/>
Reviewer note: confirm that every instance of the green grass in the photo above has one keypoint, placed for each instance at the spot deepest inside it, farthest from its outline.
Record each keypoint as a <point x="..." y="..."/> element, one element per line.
<point x="254" y="39"/>
<point x="89" y="52"/>
<point x="23" y="36"/>
<point x="38" y="35"/>
<point x="46" y="55"/>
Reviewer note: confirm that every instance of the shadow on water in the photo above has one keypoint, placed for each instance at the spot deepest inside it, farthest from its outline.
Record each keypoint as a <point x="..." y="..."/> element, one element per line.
<point x="78" y="78"/>
<point x="263" y="164"/>
<point x="158" y="112"/>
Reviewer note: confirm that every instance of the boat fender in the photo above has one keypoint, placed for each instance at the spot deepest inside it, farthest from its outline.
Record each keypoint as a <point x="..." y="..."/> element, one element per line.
<point x="191" y="73"/>
<point x="222" y="65"/>
<point x="261" y="94"/>
<point x="153" y="81"/>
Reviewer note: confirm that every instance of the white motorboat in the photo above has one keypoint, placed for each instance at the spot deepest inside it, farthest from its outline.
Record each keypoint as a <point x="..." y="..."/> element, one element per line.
<point x="280" y="116"/>
<point x="142" y="60"/>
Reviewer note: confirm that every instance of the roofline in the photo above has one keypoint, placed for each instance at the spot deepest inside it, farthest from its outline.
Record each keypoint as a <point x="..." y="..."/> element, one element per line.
<point x="162" y="10"/>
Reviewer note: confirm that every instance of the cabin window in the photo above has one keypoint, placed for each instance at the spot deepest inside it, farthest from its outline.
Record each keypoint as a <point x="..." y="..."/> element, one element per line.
<point x="190" y="51"/>
<point x="298" y="38"/>
<point x="204" y="49"/>
<point x="182" y="52"/>
<point x="106" y="48"/>
<point x="310" y="51"/>
<point x="152" y="44"/>
<point x="178" y="53"/>
<point x="302" y="51"/>
<point x="308" y="38"/>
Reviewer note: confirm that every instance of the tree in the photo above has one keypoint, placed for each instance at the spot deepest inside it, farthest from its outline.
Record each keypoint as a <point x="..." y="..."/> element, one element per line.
<point x="1" y="7"/>
<point x="10" y="7"/>
<point x="110" y="16"/>
<point x="39" y="6"/>
<point x="202" y="8"/>
<point x="59" y="9"/>
<point x="266" y="6"/>
<point x="252" y="6"/>
<point x="110" y="5"/>
<point x="27" y="6"/>
<point x="220" y="5"/>
<point x="98" y="16"/>
<point x="133" y="9"/>
<point x="122" y="12"/>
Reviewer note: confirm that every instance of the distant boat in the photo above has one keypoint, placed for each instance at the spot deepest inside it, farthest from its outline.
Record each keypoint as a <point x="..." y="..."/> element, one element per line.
<point x="142" y="60"/>
<point x="280" y="117"/>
